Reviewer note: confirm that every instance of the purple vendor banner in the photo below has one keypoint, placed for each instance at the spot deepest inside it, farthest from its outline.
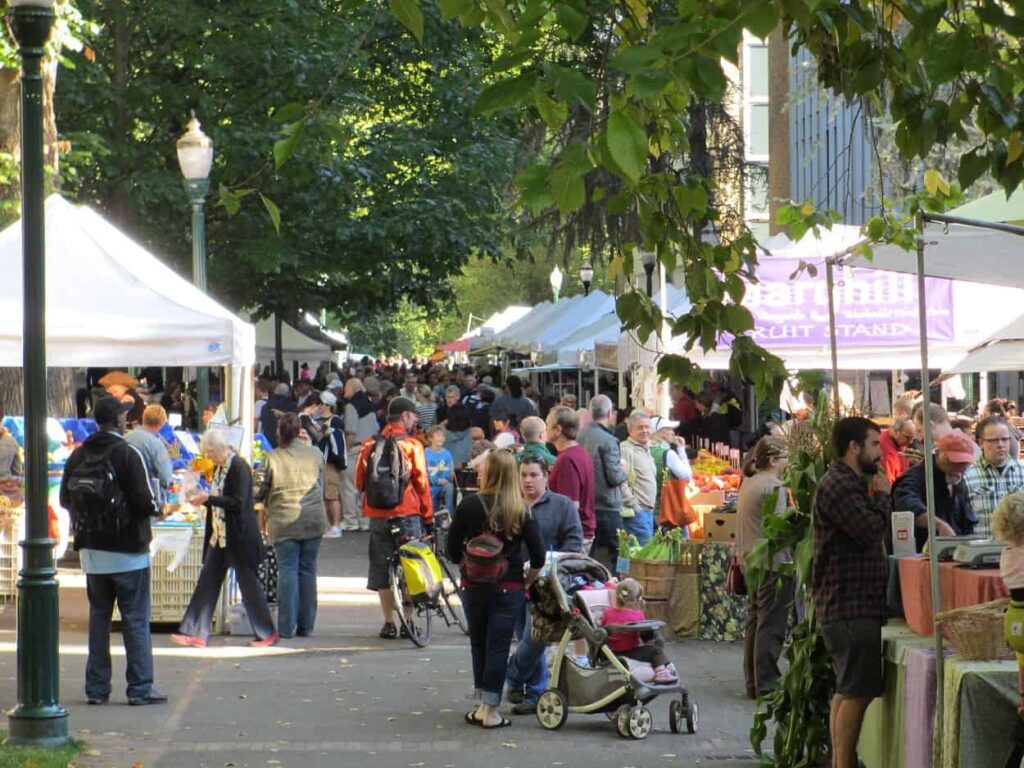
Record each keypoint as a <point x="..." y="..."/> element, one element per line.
<point x="873" y="308"/>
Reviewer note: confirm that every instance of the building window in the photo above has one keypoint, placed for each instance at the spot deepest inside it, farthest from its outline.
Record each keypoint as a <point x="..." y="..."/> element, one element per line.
<point x="755" y="99"/>
<point x="755" y="192"/>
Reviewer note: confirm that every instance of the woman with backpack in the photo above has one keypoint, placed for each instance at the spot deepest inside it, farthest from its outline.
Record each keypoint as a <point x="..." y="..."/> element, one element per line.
<point x="491" y="536"/>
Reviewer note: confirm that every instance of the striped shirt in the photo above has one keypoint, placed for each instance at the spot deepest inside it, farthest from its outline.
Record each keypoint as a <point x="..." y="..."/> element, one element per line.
<point x="987" y="485"/>
<point x="428" y="415"/>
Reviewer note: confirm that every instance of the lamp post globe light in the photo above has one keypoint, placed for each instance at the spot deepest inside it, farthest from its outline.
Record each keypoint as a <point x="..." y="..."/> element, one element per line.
<point x="195" y="156"/>
<point x="37" y="719"/>
<point x="586" y="277"/>
<point x="556" y="281"/>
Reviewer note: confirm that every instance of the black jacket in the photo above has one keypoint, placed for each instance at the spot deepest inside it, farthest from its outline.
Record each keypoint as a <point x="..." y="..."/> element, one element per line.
<point x="268" y="419"/>
<point x="908" y="495"/>
<point x="133" y="477"/>
<point x="243" y="532"/>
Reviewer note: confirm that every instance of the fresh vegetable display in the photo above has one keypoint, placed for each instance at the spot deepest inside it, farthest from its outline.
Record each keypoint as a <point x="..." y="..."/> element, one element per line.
<point x="709" y="464"/>
<point x="664" y="546"/>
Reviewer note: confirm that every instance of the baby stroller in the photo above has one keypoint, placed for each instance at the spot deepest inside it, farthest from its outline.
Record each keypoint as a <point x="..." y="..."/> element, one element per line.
<point x="563" y="610"/>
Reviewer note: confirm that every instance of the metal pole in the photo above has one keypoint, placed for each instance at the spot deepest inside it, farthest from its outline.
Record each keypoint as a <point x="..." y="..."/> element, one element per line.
<point x="833" y="342"/>
<point x="197" y="189"/>
<point x="929" y="482"/>
<point x="278" y="345"/>
<point x="38" y="719"/>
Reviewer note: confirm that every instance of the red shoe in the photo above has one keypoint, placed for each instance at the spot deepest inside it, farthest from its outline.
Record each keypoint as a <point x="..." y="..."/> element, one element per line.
<point x="265" y="642"/>
<point x="188" y="641"/>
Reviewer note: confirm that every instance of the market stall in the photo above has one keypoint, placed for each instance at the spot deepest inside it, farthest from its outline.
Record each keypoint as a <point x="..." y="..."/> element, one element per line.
<point x="111" y="303"/>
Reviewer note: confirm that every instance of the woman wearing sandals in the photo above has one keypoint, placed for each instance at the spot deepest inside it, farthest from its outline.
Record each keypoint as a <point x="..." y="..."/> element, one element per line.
<point x="492" y="608"/>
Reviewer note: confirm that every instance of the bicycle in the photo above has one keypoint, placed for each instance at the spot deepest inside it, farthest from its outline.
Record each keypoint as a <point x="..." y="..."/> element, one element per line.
<point x="414" y="616"/>
<point x="451" y="590"/>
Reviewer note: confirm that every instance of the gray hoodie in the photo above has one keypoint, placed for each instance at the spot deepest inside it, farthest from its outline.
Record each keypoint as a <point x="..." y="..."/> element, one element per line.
<point x="600" y="443"/>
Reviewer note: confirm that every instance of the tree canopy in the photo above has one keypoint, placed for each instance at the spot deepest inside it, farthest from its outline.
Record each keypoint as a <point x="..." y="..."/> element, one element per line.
<point x="358" y="144"/>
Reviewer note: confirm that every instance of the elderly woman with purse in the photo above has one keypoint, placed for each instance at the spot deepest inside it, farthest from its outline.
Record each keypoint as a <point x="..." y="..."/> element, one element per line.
<point x="232" y="541"/>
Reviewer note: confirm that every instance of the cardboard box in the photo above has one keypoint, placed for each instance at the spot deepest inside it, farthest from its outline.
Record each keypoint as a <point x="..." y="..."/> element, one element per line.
<point x="708" y="498"/>
<point x="720" y="526"/>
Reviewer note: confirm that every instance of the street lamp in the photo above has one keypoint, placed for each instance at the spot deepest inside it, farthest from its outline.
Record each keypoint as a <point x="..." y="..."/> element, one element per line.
<point x="586" y="277"/>
<point x="649" y="259"/>
<point x="195" y="156"/>
<point x="556" y="281"/>
<point x="38" y="719"/>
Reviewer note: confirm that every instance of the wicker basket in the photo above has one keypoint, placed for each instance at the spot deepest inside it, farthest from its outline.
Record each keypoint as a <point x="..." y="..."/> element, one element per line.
<point x="655" y="576"/>
<point x="977" y="631"/>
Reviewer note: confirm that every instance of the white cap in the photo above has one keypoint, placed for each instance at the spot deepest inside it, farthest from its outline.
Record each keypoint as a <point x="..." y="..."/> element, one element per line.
<point x="328" y="398"/>
<point x="659" y="423"/>
<point x="504" y="440"/>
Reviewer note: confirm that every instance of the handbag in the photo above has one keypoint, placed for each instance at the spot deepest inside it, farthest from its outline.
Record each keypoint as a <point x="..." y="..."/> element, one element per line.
<point x="676" y="509"/>
<point x="735" y="581"/>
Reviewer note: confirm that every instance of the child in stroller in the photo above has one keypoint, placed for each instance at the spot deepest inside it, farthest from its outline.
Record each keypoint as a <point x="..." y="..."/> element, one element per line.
<point x="646" y="647"/>
<point x="569" y="603"/>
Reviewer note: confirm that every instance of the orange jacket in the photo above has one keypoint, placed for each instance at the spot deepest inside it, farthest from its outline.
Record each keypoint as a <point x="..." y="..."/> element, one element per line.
<point x="417" y="493"/>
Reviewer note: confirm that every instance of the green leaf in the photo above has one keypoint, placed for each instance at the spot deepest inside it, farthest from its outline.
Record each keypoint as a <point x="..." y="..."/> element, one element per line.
<point x="453" y="9"/>
<point x="643" y="85"/>
<point x="273" y="211"/>
<point x="737" y="319"/>
<point x="505" y="93"/>
<point x="972" y="166"/>
<point x="228" y="200"/>
<point x="691" y="199"/>
<point x="410" y="14"/>
<point x="572" y="85"/>
<point x="627" y="144"/>
<point x="553" y="113"/>
<point x="635" y="59"/>
<point x="534" y="188"/>
<point x="573" y="21"/>
<point x="288" y="112"/>
<point x="286" y="147"/>
<point x="567" y="188"/>
<point x="761" y="19"/>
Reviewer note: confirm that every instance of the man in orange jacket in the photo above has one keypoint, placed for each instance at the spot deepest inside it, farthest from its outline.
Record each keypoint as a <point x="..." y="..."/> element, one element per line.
<point x="414" y="512"/>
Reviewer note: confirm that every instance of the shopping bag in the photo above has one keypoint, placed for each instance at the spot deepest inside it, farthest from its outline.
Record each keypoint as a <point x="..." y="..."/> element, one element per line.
<point x="676" y="509"/>
<point x="735" y="581"/>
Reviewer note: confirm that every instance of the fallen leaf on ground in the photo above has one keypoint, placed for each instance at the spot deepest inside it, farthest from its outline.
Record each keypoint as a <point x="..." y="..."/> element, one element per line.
<point x="85" y="730"/>
<point x="92" y="753"/>
<point x="138" y="765"/>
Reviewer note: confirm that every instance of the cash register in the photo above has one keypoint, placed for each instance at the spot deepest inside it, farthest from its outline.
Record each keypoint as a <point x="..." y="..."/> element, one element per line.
<point x="979" y="553"/>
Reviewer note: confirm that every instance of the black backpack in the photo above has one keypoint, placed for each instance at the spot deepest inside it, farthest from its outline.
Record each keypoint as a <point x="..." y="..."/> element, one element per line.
<point x="387" y="474"/>
<point x="332" y="444"/>
<point x="98" y="507"/>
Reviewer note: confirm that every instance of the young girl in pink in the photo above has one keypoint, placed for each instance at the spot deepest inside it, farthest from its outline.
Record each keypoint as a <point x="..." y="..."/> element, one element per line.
<point x="628" y="607"/>
<point x="1008" y="526"/>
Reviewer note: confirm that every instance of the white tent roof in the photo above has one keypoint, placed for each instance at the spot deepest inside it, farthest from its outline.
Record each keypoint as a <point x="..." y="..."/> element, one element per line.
<point x="1002" y="351"/>
<point x="109" y="302"/>
<point x="583" y="311"/>
<point x="519" y="335"/>
<point x="295" y="345"/>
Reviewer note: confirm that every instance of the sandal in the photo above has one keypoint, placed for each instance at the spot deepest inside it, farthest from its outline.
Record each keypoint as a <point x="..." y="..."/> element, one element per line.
<point x="665" y="677"/>
<point x="403" y="632"/>
<point x="388" y="631"/>
<point x="472" y="719"/>
<point x="505" y="723"/>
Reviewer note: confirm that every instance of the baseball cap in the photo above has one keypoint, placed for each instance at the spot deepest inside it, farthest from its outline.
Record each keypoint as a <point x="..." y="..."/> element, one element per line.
<point x="504" y="440"/>
<point x="958" y="447"/>
<point x="107" y="409"/>
<point x="328" y="398"/>
<point x="335" y="384"/>
<point x="660" y="422"/>
<point x="401" y="405"/>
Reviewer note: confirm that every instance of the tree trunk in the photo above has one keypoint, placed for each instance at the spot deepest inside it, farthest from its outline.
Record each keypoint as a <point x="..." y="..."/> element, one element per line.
<point x="60" y="392"/>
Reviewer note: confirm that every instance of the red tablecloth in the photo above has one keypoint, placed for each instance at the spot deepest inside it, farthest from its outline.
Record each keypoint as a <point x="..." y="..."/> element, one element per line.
<point x="959" y="587"/>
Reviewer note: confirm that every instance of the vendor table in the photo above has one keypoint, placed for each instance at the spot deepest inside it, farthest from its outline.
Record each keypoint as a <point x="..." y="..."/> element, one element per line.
<point x="959" y="587"/>
<point x="980" y="708"/>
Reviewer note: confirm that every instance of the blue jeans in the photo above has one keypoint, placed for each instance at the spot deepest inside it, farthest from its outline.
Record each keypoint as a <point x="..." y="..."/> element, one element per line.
<point x="130" y="590"/>
<point x="492" y="613"/>
<point x="641" y="526"/>
<point x="296" y="585"/>
<point x="443" y="497"/>
<point x="528" y="668"/>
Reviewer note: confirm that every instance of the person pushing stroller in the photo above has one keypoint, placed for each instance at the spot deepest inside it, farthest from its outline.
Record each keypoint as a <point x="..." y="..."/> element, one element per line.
<point x="628" y="608"/>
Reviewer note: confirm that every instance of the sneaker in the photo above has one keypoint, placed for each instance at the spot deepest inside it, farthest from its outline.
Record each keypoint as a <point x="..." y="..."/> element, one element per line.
<point x="334" y="532"/>
<point x="514" y="696"/>
<point x="349" y="527"/>
<point x="388" y="631"/>
<point x="525" y="708"/>
<point x="153" y="697"/>
<point x="403" y="632"/>
<point x="266" y="642"/>
<point x="665" y="677"/>
<point x="188" y="641"/>
<point x="98" y="700"/>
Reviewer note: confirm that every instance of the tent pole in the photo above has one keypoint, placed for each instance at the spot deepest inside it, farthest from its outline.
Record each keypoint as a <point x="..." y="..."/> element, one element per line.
<point x="929" y="482"/>
<point x="833" y="343"/>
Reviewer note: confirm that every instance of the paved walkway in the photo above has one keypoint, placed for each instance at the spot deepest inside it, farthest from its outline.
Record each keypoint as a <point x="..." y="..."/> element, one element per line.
<point x="344" y="697"/>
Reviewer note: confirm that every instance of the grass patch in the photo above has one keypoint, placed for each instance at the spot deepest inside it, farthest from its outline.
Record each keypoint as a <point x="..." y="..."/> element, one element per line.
<point x="31" y="757"/>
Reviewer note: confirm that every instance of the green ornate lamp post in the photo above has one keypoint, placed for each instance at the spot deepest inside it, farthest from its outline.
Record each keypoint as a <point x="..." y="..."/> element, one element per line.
<point x="38" y="719"/>
<point x="195" y="156"/>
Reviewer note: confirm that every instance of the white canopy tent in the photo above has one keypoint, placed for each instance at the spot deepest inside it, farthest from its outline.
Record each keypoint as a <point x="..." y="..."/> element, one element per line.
<point x="295" y="345"/>
<point x="1002" y="351"/>
<point x="582" y="310"/>
<point x="111" y="303"/>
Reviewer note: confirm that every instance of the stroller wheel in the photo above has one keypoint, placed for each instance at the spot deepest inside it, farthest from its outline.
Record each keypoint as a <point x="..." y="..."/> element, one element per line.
<point x="622" y="720"/>
<point x="640" y="722"/>
<point x="552" y="709"/>
<point x="675" y="716"/>
<point x="691" y="718"/>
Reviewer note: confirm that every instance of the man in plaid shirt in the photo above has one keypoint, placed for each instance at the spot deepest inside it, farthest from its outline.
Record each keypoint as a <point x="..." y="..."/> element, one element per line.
<point x="995" y="474"/>
<point x="849" y="576"/>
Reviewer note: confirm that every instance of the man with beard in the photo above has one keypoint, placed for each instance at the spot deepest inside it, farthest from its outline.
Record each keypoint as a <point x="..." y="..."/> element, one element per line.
<point x="849" y="576"/>
<point x="954" y="516"/>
